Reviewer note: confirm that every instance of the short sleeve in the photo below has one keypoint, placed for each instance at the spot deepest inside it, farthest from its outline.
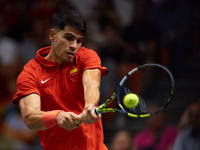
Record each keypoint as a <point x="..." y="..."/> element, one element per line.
<point x="26" y="84"/>
<point x="90" y="60"/>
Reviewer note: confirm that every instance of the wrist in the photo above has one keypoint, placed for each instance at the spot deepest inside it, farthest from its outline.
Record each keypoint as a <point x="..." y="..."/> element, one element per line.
<point x="49" y="118"/>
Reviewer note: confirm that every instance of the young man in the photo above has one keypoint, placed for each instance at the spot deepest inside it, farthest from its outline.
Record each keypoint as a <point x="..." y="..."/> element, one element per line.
<point x="58" y="89"/>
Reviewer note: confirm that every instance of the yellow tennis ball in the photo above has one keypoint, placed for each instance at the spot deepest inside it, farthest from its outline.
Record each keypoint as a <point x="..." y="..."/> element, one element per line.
<point x="131" y="100"/>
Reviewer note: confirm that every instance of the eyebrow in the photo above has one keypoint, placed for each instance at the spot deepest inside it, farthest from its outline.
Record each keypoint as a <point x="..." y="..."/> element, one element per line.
<point x="73" y="35"/>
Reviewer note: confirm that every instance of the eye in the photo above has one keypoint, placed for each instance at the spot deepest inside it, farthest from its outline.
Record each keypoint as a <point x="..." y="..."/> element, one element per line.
<point x="69" y="38"/>
<point x="79" y="40"/>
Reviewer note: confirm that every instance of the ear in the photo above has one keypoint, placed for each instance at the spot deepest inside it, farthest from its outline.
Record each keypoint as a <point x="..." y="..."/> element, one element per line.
<point x="52" y="34"/>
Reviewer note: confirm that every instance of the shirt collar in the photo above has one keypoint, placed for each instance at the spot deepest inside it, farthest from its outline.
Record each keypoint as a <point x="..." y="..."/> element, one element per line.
<point x="40" y="56"/>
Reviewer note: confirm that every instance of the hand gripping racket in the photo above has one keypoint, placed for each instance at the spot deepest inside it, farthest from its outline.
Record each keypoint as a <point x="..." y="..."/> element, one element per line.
<point x="152" y="83"/>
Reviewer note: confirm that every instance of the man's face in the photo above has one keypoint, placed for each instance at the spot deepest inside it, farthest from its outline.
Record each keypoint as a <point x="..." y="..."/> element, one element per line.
<point x="65" y="44"/>
<point x="194" y="116"/>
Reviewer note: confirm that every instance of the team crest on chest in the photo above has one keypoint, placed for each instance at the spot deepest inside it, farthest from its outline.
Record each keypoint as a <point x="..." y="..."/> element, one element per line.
<point x="73" y="71"/>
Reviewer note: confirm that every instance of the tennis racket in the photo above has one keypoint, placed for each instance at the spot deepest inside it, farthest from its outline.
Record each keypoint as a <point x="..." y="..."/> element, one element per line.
<point x="152" y="83"/>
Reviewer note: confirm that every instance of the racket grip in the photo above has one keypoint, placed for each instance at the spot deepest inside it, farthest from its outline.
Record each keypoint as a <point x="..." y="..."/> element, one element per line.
<point x="76" y="121"/>
<point x="95" y="111"/>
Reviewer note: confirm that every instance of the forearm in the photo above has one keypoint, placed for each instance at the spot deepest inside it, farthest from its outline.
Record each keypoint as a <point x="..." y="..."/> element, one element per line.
<point x="31" y="112"/>
<point x="36" y="119"/>
<point x="33" y="119"/>
<point x="92" y="93"/>
<point x="40" y="120"/>
<point x="91" y="84"/>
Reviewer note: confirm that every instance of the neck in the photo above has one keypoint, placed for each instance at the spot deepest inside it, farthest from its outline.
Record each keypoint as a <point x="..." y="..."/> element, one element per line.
<point x="51" y="57"/>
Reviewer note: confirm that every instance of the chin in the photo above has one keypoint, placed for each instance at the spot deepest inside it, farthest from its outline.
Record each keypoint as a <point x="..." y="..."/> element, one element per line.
<point x="67" y="60"/>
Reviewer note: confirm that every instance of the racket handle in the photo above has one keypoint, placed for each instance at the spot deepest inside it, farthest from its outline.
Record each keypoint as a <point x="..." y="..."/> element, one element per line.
<point x="95" y="111"/>
<point x="76" y="121"/>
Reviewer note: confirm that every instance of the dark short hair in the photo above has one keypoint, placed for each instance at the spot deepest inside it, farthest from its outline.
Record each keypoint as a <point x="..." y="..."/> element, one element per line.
<point x="68" y="17"/>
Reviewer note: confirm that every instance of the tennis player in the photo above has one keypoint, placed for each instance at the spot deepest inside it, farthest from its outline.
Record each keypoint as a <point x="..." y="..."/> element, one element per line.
<point x="59" y="88"/>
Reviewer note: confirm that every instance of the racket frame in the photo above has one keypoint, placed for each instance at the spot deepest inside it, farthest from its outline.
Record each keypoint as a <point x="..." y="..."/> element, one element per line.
<point x="102" y="108"/>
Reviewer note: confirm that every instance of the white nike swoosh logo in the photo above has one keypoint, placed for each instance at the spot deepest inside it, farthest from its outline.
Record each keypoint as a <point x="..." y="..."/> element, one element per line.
<point x="45" y="80"/>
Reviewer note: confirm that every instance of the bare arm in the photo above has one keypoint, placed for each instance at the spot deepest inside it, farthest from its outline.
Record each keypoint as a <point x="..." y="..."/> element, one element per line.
<point x="32" y="115"/>
<point x="91" y="84"/>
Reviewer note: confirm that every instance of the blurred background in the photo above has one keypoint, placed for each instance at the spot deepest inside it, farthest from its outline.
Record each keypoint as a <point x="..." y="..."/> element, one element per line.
<point x="125" y="34"/>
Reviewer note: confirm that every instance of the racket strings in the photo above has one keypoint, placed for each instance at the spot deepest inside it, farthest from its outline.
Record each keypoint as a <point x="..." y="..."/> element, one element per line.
<point x="142" y="105"/>
<point x="152" y="89"/>
<point x="127" y="90"/>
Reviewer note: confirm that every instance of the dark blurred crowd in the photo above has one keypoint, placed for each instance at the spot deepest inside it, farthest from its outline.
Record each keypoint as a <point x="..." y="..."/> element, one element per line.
<point x="125" y="33"/>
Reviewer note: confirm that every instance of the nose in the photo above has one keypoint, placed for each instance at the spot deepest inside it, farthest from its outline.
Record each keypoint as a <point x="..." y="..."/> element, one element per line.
<point x="73" y="44"/>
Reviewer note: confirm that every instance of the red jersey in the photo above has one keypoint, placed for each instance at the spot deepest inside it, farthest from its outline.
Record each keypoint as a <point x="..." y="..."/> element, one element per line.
<point x="61" y="88"/>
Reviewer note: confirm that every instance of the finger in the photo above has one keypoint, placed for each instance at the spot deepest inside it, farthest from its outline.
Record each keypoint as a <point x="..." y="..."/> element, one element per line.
<point x="99" y="115"/>
<point x="67" y="121"/>
<point x="68" y="125"/>
<point x="65" y="126"/>
<point x="77" y="119"/>
<point x="91" y="118"/>
<point x="78" y="122"/>
<point x="92" y="115"/>
<point x="85" y="115"/>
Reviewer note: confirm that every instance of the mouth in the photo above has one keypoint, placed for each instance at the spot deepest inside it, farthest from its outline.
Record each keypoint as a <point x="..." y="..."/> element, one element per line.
<point x="71" y="54"/>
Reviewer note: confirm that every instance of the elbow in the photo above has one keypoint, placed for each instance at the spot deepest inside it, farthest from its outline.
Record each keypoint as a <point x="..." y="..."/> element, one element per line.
<point x="33" y="122"/>
<point x="29" y="125"/>
<point x="27" y="121"/>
